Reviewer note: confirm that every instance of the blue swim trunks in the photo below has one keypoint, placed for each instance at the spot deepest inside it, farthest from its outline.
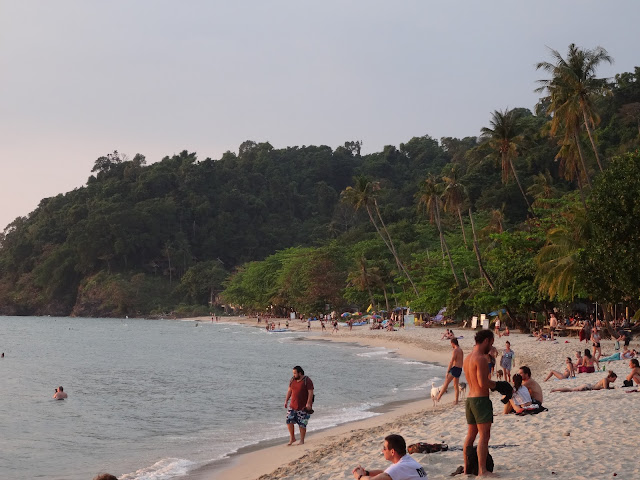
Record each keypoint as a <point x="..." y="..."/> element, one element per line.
<point x="456" y="372"/>
<point x="298" y="416"/>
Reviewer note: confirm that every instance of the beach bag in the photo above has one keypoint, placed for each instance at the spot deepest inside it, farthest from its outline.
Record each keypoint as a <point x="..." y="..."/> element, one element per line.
<point x="304" y="379"/>
<point x="472" y="461"/>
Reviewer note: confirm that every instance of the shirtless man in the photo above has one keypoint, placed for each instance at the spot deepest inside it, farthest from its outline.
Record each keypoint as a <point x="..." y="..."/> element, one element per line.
<point x="60" y="394"/>
<point x="454" y="370"/>
<point x="535" y="390"/>
<point x="479" y="410"/>
<point x="553" y="324"/>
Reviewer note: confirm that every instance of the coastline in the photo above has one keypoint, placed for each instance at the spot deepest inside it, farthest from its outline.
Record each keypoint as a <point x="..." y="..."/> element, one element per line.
<point x="537" y="446"/>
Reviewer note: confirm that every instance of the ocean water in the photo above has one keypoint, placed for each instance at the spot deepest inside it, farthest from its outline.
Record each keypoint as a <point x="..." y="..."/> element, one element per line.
<point x="157" y="399"/>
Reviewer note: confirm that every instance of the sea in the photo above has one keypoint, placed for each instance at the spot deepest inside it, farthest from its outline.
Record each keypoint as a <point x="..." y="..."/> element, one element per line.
<point x="163" y="399"/>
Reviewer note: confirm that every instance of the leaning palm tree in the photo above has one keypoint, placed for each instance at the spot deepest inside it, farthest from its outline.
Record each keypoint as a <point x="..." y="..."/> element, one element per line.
<point x="504" y="137"/>
<point x="557" y="261"/>
<point x="365" y="278"/>
<point x="573" y="86"/>
<point x="453" y="197"/>
<point x="362" y="195"/>
<point x="429" y="198"/>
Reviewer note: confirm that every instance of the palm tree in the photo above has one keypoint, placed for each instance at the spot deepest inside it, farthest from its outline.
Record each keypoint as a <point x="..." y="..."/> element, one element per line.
<point x="366" y="278"/>
<point x="453" y="197"/>
<point x="557" y="261"/>
<point x="429" y="197"/>
<point x="362" y="195"/>
<point x="573" y="86"/>
<point x="504" y="136"/>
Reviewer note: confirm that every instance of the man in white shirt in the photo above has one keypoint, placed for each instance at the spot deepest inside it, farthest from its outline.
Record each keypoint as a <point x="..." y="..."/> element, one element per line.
<point x="404" y="467"/>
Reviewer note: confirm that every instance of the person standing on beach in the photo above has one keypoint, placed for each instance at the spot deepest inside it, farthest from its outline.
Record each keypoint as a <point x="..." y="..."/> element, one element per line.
<point x="300" y="393"/>
<point x="553" y="324"/>
<point x="506" y="362"/>
<point x="454" y="370"/>
<point x="404" y="466"/>
<point x="479" y="409"/>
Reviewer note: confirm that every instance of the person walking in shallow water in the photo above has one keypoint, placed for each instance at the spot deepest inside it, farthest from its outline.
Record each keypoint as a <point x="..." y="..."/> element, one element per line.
<point x="300" y="393"/>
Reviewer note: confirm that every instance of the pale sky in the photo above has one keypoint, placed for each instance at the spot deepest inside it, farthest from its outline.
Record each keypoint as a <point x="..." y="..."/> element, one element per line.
<point x="79" y="79"/>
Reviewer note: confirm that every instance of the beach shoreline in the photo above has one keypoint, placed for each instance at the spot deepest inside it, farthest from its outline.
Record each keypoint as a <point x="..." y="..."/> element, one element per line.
<point x="537" y="446"/>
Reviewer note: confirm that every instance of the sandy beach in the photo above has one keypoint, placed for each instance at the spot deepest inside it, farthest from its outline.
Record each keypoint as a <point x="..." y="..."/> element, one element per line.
<point x="583" y="435"/>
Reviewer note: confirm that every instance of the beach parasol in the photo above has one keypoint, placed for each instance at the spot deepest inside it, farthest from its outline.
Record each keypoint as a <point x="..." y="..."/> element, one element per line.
<point x="345" y="314"/>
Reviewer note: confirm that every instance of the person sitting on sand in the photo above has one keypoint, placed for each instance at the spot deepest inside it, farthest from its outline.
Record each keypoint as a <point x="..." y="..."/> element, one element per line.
<point x="535" y="390"/>
<point x="589" y="364"/>
<point x="506" y="331"/>
<point x="569" y="371"/>
<point x="404" y="466"/>
<point x="579" y="361"/>
<point x="605" y="383"/>
<point x="625" y="355"/>
<point x="634" y="375"/>
<point x="445" y="335"/>
<point x="521" y="397"/>
<point x="60" y="394"/>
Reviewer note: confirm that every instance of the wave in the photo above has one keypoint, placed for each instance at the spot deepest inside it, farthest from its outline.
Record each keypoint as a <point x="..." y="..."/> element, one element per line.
<point x="164" y="469"/>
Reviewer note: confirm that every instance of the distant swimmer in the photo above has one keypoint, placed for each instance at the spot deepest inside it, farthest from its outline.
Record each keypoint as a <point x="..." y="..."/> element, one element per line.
<point x="2" y="356"/>
<point x="60" y="394"/>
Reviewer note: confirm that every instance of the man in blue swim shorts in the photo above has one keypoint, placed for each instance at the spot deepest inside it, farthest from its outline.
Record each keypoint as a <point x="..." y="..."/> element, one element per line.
<point x="454" y="370"/>
<point x="300" y="393"/>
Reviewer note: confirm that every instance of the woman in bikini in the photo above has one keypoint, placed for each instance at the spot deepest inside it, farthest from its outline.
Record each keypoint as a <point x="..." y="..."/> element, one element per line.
<point x="589" y="363"/>
<point x="604" y="384"/>
<point x="568" y="372"/>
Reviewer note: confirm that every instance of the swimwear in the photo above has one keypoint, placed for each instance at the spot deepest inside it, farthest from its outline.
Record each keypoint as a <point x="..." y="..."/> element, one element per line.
<point x="479" y="410"/>
<point x="298" y="416"/>
<point x="455" y="372"/>
<point x="584" y="369"/>
<point x="597" y="345"/>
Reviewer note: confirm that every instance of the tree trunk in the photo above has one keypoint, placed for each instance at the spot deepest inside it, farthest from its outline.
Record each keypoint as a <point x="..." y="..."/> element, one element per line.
<point x="584" y="165"/>
<point x="515" y="175"/>
<point x="477" y="252"/>
<point x="593" y="143"/>
<point x="386" y="299"/>
<point x="464" y="235"/>
<point x="446" y="247"/>
<point x="393" y="249"/>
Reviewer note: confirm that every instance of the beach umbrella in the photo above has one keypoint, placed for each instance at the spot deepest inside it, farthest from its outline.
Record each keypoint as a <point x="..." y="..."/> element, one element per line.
<point x="376" y="316"/>
<point x="345" y="314"/>
<point x="497" y="312"/>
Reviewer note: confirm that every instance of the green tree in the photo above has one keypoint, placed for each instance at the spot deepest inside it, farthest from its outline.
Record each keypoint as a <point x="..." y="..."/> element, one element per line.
<point x="573" y="87"/>
<point x="429" y="199"/>
<point x="504" y="137"/>
<point x="363" y="195"/>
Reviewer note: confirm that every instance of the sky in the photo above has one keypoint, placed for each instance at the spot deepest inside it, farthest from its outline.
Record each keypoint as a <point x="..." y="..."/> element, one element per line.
<point x="82" y="78"/>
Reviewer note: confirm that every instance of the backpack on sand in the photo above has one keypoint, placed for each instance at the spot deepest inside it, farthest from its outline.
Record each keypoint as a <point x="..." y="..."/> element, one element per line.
<point x="472" y="461"/>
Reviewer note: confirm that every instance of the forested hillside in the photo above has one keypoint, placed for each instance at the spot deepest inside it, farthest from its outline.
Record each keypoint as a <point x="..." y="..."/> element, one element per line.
<point x="537" y="210"/>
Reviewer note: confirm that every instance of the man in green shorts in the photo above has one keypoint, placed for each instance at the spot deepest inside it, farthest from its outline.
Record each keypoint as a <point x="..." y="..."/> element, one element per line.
<point x="479" y="410"/>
